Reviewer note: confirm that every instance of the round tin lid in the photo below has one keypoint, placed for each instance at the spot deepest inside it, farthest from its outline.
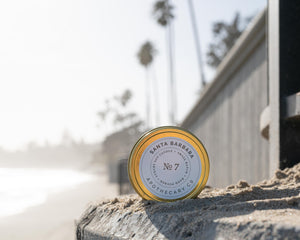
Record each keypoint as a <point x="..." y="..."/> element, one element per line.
<point x="168" y="164"/>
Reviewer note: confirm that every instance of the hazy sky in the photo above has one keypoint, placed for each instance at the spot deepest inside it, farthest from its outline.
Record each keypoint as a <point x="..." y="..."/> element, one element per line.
<point x="60" y="60"/>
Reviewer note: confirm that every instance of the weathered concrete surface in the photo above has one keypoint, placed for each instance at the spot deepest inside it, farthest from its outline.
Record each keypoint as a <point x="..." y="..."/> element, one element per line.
<point x="268" y="210"/>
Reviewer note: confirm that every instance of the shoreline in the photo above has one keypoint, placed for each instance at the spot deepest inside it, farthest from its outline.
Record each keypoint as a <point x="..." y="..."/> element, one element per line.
<point x="54" y="219"/>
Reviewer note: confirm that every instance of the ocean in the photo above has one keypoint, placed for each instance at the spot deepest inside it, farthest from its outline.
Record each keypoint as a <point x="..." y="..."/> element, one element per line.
<point x="21" y="188"/>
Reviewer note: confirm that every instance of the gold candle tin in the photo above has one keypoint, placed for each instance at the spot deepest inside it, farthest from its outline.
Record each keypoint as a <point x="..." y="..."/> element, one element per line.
<point x="168" y="164"/>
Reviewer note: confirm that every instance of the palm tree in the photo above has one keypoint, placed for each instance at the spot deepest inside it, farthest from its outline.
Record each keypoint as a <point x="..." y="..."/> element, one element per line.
<point x="162" y="12"/>
<point x="197" y="43"/>
<point x="225" y="35"/>
<point x="145" y="56"/>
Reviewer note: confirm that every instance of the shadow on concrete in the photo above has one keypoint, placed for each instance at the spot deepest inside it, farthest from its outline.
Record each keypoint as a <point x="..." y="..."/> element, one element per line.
<point x="199" y="218"/>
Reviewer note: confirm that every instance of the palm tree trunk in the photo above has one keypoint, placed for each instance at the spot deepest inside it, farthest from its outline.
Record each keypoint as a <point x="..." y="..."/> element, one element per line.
<point x="147" y="96"/>
<point x="156" y="97"/>
<point x="197" y="43"/>
<point x="170" y="42"/>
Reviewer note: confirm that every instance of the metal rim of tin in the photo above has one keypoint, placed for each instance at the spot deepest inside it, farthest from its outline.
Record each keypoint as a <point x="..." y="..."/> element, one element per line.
<point x="156" y="134"/>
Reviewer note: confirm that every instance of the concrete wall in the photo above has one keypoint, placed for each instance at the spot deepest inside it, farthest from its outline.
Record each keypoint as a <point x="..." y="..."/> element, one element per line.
<point x="226" y="118"/>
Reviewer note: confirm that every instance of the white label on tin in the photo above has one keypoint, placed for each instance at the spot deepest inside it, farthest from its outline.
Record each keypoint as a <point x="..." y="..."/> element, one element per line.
<point x="170" y="168"/>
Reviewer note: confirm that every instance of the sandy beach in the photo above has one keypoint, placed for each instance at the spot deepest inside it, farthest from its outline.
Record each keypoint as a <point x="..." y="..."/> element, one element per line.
<point x="54" y="219"/>
<point x="267" y="210"/>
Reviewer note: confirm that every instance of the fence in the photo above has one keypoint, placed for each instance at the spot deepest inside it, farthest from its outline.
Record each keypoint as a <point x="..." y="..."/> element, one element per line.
<point x="254" y="93"/>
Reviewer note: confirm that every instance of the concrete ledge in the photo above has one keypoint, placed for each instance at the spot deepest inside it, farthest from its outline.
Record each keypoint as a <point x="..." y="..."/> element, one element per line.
<point x="292" y="113"/>
<point x="264" y="123"/>
<point x="194" y="224"/>
<point x="268" y="210"/>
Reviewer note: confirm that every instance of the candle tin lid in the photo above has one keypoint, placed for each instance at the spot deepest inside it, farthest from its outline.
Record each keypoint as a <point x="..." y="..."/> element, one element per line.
<point x="168" y="164"/>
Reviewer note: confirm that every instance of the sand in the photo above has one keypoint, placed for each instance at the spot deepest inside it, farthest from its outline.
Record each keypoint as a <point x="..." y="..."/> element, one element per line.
<point x="54" y="220"/>
<point x="267" y="210"/>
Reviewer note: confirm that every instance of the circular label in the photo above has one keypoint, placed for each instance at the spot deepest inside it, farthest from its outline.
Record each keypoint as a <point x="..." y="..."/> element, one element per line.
<point x="170" y="168"/>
